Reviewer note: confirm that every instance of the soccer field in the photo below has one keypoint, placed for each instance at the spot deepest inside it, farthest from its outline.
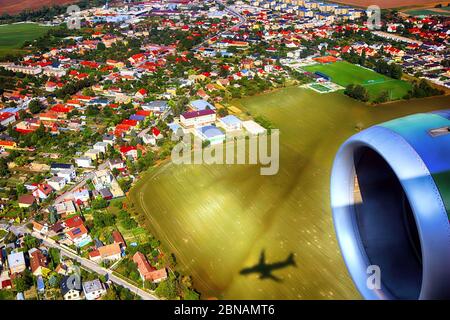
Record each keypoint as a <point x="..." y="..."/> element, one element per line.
<point x="13" y="36"/>
<point x="344" y="73"/>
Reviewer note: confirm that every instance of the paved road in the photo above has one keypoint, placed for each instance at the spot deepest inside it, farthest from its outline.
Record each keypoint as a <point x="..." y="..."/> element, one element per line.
<point x="242" y="20"/>
<point x="90" y="265"/>
<point x="80" y="184"/>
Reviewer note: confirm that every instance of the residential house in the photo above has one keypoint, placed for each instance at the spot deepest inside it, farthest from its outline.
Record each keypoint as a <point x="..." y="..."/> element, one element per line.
<point x="116" y="164"/>
<point x="79" y="236"/>
<point x="110" y="252"/>
<point x="65" y="170"/>
<point x="158" y="106"/>
<point x="118" y="238"/>
<point x="65" y="208"/>
<point x="5" y="280"/>
<point x="57" y="183"/>
<point x="16" y="262"/>
<point x="149" y="139"/>
<point x="38" y="262"/>
<point x="94" y="289"/>
<point x="43" y="191"/>
<point x="7" y="118"/>
<point x="71" y="288"/>
<point x="148" y="272"/>
<point x="40" y="228"/>
<point x="129" y="152"/>
<point x="81" y="196"/>
<point x="141" y="94"/>
<point x="109" y="138"/>
<point x="84" y="162"/>
<point x="101" y="146"/>
<point x="26" y="200"/>
<point x="94" y="154"/>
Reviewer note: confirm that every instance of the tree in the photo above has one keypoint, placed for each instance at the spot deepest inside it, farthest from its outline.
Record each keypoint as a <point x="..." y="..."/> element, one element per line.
<point x="189" y="294"/>
<point x="35" y="106"/>
<point x="167" y="288"/>
<point x="99" y="203"/>
<point x="222" y="112"/>
<point x="20" y="188"/>
<point x="23" y="282"/>
<point x="30" y="242"/>
<point x="357" y="92"/>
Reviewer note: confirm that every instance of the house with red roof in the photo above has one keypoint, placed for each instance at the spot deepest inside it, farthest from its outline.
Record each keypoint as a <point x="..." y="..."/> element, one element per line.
<point x="118" y="238"/>
<point x="7" y="118"/>
<point x="156" y="133"/>
<point x="137" y="58"/>
<point x="38" y="262"/>
<point x="52" y="86"/>
<point x="141" y="94"/>
<point x="129" y="152"/>
<point x="73" y="222"/>
<point x="43" y="191"/>
<point x="146" y="271"/>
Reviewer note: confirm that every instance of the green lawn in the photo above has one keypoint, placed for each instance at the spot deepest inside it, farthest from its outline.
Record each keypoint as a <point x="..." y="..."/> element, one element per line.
<point x="13" y="36"/>
<point x="344" y="73"/>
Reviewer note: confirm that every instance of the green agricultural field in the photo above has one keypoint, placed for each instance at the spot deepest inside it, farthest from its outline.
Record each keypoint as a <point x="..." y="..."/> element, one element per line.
<point x="217" y="219"/>
<point x="13" y="36"/>
<point x="427" y="12"/>
<point x="344" y="73"/>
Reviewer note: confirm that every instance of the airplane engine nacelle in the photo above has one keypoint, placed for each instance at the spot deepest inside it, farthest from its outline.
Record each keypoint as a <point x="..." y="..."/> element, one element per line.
<point x="390" y="196"/>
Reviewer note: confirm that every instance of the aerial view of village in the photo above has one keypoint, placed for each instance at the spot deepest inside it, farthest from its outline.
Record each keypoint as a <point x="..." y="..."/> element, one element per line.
<point x="97" y="96"/>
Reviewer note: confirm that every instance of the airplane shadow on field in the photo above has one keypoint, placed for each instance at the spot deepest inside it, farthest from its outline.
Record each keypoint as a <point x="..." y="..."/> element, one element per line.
<point x="265" y="269"/>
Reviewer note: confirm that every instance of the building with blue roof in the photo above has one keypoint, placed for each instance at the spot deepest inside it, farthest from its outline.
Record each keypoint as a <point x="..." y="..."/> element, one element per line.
<point x="40" y="284"/>
<point x="137" y="117"/>
<point x="230" y="123"/>
<point x="199" y="105"/>
<point x="211" y="133"/>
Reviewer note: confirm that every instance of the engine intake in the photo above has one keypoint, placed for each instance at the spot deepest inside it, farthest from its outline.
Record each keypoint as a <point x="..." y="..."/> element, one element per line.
<point x="390" y="195"/>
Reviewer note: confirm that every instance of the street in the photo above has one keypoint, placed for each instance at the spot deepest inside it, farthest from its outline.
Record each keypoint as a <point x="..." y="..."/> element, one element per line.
<point x="92" y="266"/>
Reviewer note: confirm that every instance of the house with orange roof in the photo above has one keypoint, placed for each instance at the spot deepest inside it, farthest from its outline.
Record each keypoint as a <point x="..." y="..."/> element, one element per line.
<point x="6" y="144"/>
<point x="79" y="236"/>
<point x="148" y="272"/>
<point x="110" y="252"/>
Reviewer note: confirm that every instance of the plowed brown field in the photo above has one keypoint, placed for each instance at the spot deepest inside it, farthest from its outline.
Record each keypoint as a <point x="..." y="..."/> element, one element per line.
<point x="16" y="6"/>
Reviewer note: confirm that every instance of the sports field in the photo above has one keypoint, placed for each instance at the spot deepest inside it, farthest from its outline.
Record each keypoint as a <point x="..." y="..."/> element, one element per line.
<point x="344" y="73"/>
<point x="319" y="87"/>
<point x="12" y="36"/>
